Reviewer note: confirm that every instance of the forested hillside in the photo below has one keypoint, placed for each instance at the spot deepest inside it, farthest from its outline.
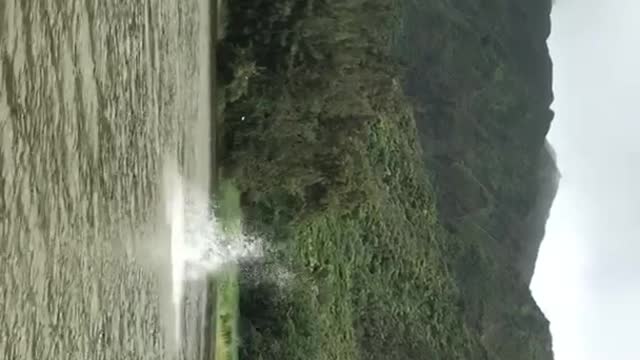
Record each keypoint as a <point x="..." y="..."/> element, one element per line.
<point x="392" y="154"/>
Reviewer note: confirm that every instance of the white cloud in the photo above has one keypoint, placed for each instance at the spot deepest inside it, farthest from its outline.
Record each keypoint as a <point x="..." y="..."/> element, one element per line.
<point x="585" y="279"/>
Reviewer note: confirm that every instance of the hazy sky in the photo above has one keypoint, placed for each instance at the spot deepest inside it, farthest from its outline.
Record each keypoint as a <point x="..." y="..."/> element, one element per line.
<point x="587" y="278"/>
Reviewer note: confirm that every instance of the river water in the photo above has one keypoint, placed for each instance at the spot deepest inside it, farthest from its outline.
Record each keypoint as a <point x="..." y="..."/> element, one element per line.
<point x="95" y="97"/>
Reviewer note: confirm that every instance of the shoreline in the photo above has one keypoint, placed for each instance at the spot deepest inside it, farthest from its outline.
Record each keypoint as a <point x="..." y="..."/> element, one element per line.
<point x="210" y="313"/>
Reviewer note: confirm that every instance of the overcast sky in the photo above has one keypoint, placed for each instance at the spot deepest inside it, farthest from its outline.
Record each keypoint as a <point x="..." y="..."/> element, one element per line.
<point x="587" y="279"/>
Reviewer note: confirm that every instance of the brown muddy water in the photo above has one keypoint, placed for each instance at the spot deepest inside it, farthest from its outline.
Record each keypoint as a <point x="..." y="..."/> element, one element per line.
<point x="95" y="97"/>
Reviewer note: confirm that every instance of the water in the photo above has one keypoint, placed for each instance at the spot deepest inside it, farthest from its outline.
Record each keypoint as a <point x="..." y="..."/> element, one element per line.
<point x="96" y="97"/>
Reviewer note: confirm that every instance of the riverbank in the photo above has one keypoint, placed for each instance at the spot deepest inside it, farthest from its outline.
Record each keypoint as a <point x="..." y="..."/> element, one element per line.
<point x="222" y="303"/>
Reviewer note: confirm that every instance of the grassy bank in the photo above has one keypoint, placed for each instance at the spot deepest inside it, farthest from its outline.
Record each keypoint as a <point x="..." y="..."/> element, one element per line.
<point x="226" y="334"/>
<point x="225" y="282"/>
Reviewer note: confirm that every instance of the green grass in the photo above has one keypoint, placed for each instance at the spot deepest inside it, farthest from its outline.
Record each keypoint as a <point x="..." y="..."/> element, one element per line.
<point x="226" y="334"/>
<point x="229" y="214"/>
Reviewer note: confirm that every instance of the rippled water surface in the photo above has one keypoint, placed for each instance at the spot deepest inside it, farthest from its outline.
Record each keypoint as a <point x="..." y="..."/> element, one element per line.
<point x="94" y="97"/>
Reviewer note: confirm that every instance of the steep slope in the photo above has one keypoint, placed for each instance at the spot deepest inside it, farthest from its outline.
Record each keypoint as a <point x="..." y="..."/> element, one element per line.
<point x="480" y="76"/>
<point x="394" y="156"/>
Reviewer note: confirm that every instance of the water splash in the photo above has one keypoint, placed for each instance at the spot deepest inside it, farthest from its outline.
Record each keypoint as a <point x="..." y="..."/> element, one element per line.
<point x="199" y="246"/>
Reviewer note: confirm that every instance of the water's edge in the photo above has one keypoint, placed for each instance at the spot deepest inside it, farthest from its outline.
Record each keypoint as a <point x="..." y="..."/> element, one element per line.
<point x="209" y="326"/>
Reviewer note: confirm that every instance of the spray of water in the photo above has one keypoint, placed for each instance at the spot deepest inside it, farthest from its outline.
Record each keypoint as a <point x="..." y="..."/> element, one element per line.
<point x="199" y="246"/>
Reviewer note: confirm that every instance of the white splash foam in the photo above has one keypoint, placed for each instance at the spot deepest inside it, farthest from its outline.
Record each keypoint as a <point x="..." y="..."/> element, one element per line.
<point x="207" y="248"/>
<point x="174" y="213"/>
<point x="199" y="246"/>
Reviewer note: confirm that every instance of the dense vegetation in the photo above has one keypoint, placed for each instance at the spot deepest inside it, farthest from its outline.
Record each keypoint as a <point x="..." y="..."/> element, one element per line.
<point x="389" y="151"/>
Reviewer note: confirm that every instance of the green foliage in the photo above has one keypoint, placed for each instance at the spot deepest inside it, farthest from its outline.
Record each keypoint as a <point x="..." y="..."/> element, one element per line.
<point x="229" y="211"/>
<point x="371" y="283"/>
<point x="324" y="149"/>
<point x="480" y="79"/>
